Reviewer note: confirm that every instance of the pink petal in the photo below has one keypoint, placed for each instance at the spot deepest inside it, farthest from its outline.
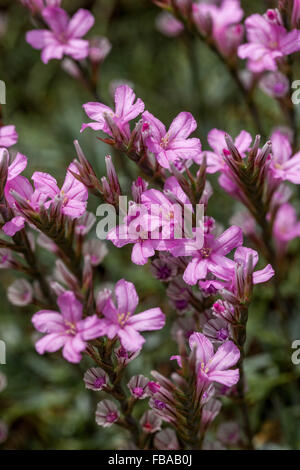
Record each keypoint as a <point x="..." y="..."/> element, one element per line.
<point x="230" y="239"/>
<point x="74" y="209"/>
<point x="124" y="101"/>
<point x="21" y="185"/>
<point x="40" y="38"/>
<point x="50" y="343"/>
<point x="127" y="298"/>
<point x="8" y="136"/>
<point x="73" y="188"/>
<point x="17" y="166"/>
<point x="196" y="269"/>
<point x="130" y="339"/>
<point x="48" y="321"/>
<point x="242" y="255"/>
<point x="291" y="42"/>
<point x="95" y="111"/>
<point x="150" y="320"/>
<point x="45" y="184"/>
<point x="226" y="356"/>
<point x="90" y="328"/>
<point x="156" y="129"/>
<point x="56" y="18"/>
<point x="182" y="126"/>
<point x="52" y="51"/>
<point x="142" y="251"/>
<point x="72" y="349"/>
<point x="204" y="347"/>
<point x="216" y="140"/>
<point x="70" y="307"/>
<point x="263" y="275"/>
<point x="13" y="226"/>
<point x="225" y="377"/>
<point x="77" y="48"/>
<point x="243" y="142"/>
<point x="80" y="24"/>
<point x="108" y="328"/>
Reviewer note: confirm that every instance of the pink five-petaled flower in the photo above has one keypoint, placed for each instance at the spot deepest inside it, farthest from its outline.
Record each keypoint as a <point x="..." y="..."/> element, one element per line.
<point x="120" y="320"/>
<point x="267" y="42"/>
<point x="224" y="21"/>
<point x="173" y="145"/>
<point x="66" y="328"/>
<point x="64" y="37"/>
<point x="212" y="256"/>
<point x="73" y="194"/>
<point x="282" y="165"/>
<point x="241" y="258"/>
<point x="214" y="367"/>
<point x="8" y="136"/>
<point x="126" y="109"/>
<point x="216" y="140"/>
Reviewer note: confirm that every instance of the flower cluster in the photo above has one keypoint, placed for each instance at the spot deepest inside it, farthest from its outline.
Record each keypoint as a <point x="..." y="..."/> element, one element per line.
<point x="207" y="270"/>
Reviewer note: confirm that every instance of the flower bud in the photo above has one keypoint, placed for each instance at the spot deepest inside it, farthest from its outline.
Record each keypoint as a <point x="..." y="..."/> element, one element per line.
<point x="4" y="162"/>
<point x="20" y="293"/>
<point x="150" y="422"/>
<point x="95" y="379"/>
<point x="99" y="49"/>
<point x="107" y="413"/>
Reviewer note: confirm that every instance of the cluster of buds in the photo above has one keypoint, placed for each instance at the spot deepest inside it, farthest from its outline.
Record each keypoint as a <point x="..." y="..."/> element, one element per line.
<point x="189" y="402"/>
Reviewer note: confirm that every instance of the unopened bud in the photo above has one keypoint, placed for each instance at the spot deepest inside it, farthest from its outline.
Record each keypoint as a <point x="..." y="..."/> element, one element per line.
<point x="112" y="176"/>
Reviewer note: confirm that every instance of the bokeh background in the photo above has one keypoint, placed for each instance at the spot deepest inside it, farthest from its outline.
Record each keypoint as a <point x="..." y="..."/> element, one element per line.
<point x="45" y="404"/>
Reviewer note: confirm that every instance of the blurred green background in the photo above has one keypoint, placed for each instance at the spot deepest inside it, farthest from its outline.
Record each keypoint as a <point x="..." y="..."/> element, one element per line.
<point x="45" y="404"/>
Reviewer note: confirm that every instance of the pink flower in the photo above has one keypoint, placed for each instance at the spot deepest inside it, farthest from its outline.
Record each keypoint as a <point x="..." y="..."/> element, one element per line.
<point x="165" y="213"/>
<point x="136" y="230"/>
<point x="73" y="194"/>
<point x="212" y="256"/>
<point x="125" y="111"/>
<point x="282" y="165"/>
<point x="215" y="367"/>
<point x="241" y="257"/>
<point x="267" y="42"/>
<point x="66" y="329"/>
<point x="172" y="145"/>
<point x="286" y="225"/>
<point x="64" y="37"/>
<point x="8" y="136"/>
<point x="226" y="31"/>
<point x="216" y="140"/>
<point x="120" y="320"/>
